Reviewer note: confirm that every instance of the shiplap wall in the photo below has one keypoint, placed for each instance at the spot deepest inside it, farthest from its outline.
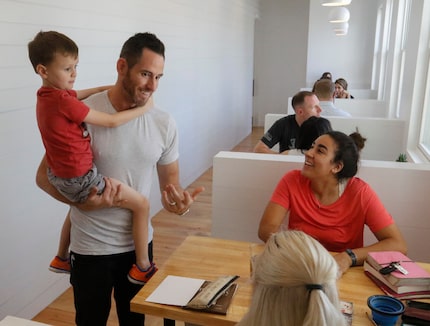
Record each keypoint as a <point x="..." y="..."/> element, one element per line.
<point x="208" y="76"/>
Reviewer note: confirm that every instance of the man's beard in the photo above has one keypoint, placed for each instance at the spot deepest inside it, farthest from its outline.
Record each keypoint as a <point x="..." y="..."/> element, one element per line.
<point x="130" y="92"/>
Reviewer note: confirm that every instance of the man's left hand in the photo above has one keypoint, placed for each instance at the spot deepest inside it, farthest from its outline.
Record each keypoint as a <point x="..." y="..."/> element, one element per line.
<point x="177" y="200"/>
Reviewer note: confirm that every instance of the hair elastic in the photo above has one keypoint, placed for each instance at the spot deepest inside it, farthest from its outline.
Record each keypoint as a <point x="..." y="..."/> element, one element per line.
<point x="311" y="287"/>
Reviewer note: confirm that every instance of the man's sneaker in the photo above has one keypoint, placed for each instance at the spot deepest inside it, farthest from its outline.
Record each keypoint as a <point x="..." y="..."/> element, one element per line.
<point x="60" y="265"/>
<point x="138" y="276"/>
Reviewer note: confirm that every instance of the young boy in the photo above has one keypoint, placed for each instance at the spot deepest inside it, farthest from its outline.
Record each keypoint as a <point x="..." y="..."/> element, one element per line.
<point x="61" y="118"/>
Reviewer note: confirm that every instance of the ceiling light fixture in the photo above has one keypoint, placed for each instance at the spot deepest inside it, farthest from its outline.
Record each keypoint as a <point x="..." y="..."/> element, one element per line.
<point x="342" y="33"/>
<point x="338" y="15"/>
<point x="339" y="27"/>
<point x="335" y="3"/>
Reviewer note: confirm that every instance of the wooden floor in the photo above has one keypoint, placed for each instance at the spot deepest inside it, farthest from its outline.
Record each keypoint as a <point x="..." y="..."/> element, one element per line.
<point x="169" y="232"/>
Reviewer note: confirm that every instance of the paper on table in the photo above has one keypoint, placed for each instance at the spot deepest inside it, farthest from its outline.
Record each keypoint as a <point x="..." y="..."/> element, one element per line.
<point x="175" y="290"/>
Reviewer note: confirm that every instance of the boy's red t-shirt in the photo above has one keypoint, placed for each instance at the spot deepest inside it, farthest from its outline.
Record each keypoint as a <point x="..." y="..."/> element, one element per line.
<point x="60" y="117"/>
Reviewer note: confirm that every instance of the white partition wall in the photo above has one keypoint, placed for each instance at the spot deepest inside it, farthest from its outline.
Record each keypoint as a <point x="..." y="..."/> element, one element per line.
<point x="358" y="108"/>
<point x="242" y="186"/>
<point x="385" y="137"/>
<point x="356" y="93"/>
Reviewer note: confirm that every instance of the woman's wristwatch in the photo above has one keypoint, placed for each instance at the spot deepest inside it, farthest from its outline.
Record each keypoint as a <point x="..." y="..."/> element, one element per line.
<point x="353" y="257"/>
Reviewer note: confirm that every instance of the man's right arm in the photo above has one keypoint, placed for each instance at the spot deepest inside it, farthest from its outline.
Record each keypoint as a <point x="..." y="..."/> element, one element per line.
<point x="44" y="184"/>
<point x="109" y="198"/>
<point x="263" y="148"/>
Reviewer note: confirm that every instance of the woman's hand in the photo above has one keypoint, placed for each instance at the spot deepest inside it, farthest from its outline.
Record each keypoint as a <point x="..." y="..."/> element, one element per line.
<point x="343" y="261"/>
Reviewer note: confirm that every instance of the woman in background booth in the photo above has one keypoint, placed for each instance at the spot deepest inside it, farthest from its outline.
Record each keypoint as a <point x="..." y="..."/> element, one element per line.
<point x="325" y="75"/>
<point x="327" y="201"/>
<point x="294" y="283"/>
<point x="341" y="89"/>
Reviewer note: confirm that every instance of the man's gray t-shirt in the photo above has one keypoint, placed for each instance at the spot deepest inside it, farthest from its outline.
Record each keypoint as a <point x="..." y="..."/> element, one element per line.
<point x="130" y="154"/>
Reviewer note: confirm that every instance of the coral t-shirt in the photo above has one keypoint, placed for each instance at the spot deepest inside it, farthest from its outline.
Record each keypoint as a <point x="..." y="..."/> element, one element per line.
<point x="337" y="226"/>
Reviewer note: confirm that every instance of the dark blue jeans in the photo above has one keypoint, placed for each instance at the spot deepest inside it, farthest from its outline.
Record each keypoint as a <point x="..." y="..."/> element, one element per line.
<point x="94" y="278"/>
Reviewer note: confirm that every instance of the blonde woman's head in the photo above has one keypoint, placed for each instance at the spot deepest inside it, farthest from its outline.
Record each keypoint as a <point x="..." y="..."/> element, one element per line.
<point x="294" y="284"/>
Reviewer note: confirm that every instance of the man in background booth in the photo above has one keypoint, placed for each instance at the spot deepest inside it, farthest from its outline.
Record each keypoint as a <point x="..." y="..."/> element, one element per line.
<point x="285" y="130"/>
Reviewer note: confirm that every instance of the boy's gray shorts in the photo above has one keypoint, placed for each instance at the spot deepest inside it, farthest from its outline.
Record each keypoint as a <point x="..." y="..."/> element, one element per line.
<point x="77" y="189"/>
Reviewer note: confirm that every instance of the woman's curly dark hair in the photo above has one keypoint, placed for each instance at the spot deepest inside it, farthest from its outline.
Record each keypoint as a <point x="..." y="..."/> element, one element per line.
<point x="347" y="152"/>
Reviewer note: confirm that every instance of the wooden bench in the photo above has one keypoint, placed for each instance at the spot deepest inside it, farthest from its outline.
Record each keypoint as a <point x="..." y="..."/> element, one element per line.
<point x="244" y="182"/>
<point x="386" y="138"/>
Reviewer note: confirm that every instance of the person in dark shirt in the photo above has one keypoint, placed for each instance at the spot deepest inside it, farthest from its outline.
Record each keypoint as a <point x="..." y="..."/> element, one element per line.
<point x="285" y="130"/>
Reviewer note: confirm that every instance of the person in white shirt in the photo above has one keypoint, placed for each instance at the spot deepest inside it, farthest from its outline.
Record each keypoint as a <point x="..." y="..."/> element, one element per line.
<point x="325" y="91"/>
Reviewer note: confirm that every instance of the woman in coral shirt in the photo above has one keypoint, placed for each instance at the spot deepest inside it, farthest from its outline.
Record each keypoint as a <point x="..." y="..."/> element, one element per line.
<point x="328" y="202"/>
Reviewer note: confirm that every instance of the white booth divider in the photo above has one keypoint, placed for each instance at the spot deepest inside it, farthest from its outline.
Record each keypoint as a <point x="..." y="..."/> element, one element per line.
<point x="368" y="108"/>
<point x="385" y="137"/>
<point x="358" y="93"/>
<point x="243" y="184"/>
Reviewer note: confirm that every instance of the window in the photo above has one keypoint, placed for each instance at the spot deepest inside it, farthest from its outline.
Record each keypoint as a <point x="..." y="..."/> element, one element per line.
<point x="424" y="138"/>
<point x="424" y="143"/>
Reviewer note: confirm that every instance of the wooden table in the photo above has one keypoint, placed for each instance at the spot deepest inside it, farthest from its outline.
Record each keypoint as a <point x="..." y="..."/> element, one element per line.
<point x="208" y="258"/>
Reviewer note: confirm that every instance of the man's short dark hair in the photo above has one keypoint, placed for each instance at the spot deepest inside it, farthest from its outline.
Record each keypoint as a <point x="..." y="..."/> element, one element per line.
<point x="132" y="49"/>
<point x="299" y="98"/>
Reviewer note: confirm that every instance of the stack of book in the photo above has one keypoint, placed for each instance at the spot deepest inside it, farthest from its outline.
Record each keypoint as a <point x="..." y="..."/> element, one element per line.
<point x="416" y="313"/>
<point x="406" y="281"/>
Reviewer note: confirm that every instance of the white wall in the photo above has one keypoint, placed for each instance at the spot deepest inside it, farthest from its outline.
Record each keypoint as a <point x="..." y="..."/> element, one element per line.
<point x="281" y="34"/>
<point x="208" y="75"/>
<point x="294" y="45"/>
<point x="348" y="56"/>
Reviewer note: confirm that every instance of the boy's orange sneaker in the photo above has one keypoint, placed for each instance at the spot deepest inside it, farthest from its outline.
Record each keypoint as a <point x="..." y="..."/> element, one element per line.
<point x="138" y="276"/>
<point x="59" y="265"/>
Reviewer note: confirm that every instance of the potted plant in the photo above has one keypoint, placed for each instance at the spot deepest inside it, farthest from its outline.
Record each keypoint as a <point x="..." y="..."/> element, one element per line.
<point x="402" y="158"/>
